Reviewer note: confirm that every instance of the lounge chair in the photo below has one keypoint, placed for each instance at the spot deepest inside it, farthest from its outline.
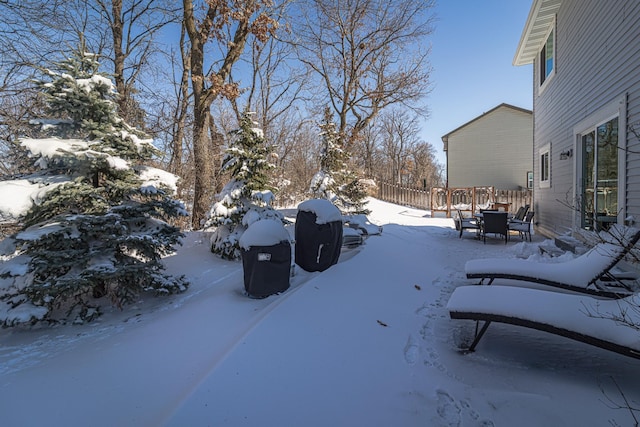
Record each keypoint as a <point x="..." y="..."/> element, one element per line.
<point x="589" y="273"/>
<point x="361" y="223"/>
<point x="579" y="317"/>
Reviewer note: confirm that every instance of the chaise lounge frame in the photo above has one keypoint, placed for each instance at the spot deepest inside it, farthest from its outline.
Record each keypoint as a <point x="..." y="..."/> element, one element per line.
<point x="485" y="314"/>
<point x="593" y="287"/>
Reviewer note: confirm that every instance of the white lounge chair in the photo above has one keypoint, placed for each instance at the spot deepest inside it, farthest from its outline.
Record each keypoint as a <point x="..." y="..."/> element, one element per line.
<point x="361" y="223"/>
<point x="579" y="317"/>
<point x="589" y="273"/>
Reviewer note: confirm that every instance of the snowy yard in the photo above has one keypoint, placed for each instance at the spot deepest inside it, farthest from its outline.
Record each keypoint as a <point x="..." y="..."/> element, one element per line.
<point x="366" y="343"/>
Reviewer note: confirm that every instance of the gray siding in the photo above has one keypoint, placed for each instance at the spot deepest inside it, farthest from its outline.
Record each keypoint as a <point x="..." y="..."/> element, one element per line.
<point x="597" y="62"/>
<point x="492" y="150"/>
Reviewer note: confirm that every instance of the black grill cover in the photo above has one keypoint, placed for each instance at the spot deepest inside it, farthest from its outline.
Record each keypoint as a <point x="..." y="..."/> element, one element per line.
<point x="317" y="245"/>
<point x="266" y="269"/>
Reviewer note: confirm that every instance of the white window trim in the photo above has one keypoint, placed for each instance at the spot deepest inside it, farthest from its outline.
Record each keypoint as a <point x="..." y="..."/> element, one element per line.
<point x="616" y="108"/>
<point x="542" y="86"/>
<point x="544" y="149"/>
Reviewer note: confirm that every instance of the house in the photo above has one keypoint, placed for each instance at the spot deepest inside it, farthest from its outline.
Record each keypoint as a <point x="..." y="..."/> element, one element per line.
<point x="586" y="108"/>
<point x="494" y="149"/>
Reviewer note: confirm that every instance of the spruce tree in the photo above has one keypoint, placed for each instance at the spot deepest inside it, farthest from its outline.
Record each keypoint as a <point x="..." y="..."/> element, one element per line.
<point x="335" y="181"/>
<point x="101" y="228"/>
<point x="248" y="196"/>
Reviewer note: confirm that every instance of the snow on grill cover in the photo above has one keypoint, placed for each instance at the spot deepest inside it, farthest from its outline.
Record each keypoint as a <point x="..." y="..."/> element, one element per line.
<point x="318" y="235"/>
<point x="266" y="258"/>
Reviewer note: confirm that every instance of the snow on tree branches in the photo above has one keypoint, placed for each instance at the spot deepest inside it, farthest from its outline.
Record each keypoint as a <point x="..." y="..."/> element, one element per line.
<point x="248" y="197"/>
<point x="98" y="227"/>
<point x="335" y="181"/>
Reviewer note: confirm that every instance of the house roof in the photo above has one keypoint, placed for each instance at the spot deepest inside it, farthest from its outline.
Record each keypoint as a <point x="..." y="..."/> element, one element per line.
<point x="535" y="30"/>
<point x="445" y="138"/>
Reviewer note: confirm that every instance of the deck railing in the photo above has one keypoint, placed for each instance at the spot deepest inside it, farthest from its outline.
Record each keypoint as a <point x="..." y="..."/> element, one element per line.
<point x="445" y="200"/>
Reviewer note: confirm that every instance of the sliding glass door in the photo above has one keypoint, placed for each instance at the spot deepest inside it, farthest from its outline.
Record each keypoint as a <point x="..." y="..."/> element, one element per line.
<point x="599" y="198"/>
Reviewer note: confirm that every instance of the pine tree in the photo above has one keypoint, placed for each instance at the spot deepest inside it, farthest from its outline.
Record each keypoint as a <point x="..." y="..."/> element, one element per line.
<point x="101" y="227"/>
<point x="332" y="161"/>
<point x="248" y="196"/>
<point x="335" y="181"/>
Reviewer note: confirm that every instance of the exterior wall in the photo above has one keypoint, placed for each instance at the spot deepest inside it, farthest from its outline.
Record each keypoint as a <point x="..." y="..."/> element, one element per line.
<point x="597" y="64"/>
<point x="493" y="150"/>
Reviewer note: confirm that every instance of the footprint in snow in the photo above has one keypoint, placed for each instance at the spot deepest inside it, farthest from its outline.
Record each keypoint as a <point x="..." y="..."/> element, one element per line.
<point x="448" y="410"/>
<point x="411" y="351"/>
<point x="455" y="413"/>
<point x="423" y="311"/>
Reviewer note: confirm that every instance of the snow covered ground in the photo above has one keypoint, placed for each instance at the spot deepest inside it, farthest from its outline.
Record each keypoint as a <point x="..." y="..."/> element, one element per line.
<point x="366" y="343"/>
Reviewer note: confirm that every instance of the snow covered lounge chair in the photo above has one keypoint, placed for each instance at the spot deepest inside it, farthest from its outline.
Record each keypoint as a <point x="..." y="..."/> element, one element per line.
<point x="351" y="237"/>
<point x="578" y="317"/>
<point x="586" y="274"/>
<point x="361" y="223"/>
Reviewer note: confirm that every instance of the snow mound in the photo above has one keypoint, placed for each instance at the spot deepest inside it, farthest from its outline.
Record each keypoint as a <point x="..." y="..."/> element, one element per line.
<point x="266" y="232"/>
<point x="325" y="211"/>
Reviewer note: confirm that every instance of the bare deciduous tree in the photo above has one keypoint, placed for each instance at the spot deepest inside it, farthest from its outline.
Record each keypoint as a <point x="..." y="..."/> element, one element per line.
<point x="427" y="171"/>
<point x="400" y="136"/>
<point x="230" y="23"/>
<point x="367" y="55"/>
<point x="392" y="150"/>
<point x="31" y="32"/>
<point x="133" y="25"/>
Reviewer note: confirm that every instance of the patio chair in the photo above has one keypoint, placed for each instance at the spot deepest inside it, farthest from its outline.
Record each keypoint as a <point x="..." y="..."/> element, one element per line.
<point x="578" y="317"/>
<point x="590" y="273"/>
<point x="463" y="223"/>
<point x="523" y="227"/>
<point x="519" y="215"/>
<point x="496" y="223"/>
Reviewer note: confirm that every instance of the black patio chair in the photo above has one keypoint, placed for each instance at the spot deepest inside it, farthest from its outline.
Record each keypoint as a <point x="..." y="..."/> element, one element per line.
<point x="495" y="223"/>
<point x="463" y="223"/>
<point x="522" y="227"/>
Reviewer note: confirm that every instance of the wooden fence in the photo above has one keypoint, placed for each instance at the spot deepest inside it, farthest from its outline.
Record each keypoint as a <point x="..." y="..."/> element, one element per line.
<point x="416" y="197"/>
<point x="446" y="200"/>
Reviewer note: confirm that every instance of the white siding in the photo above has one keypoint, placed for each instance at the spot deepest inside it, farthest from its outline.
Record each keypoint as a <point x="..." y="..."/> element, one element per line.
<point x="597" y="62"/>
<point x="492" y="150"/>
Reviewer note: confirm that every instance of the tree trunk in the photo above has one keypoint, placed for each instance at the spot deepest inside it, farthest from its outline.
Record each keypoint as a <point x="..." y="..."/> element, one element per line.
<point x="203" y="166"/>
<point x="201" y="154"/>
<point x="117" y="27"/>
<point x="201" y="31"/>
<point x="175" y="163"/>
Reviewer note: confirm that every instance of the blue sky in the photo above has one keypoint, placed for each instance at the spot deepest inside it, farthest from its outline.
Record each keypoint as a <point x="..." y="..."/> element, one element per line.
<point x="473" y="46"/>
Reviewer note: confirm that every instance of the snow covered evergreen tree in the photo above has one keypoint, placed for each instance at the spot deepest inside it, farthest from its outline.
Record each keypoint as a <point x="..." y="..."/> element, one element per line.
<point x="323" y="183"/>
<point x="248" y="196"/>
<point x="335" y="181"/>
<point x="99" y="227"/>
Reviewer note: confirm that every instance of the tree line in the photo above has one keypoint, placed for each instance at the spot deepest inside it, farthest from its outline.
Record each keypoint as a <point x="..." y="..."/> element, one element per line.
<point x="186" y="73"/>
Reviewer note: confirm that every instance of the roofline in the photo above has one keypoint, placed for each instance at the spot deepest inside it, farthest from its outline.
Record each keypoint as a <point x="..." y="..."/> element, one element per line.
<point x="445" y="138"/>
<point x="540" y="16"/>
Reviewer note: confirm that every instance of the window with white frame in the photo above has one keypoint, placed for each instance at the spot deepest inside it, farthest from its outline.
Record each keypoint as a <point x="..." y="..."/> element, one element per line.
<point x="600" y="167"/>
<point x="544" y="157"/>
<point x="600" y="175"/>
<point x="547" y="58"/>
